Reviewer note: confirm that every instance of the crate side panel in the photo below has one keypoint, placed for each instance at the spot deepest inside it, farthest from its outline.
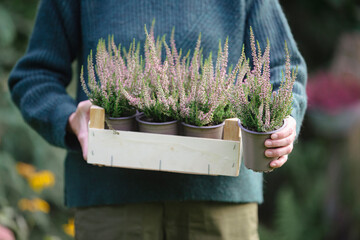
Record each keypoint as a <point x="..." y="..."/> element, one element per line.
<point x="163" y="152"/>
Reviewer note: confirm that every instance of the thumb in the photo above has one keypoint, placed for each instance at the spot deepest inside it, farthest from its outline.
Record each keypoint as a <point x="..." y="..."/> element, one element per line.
<point x="83" y="116"/>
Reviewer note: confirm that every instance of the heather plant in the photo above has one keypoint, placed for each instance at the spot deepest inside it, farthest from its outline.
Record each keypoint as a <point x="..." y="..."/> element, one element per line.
<point x="191" y="90"/>
<point x="115" y="71"/>
<point x="157" y="97"/>
<point x="256" y="104"/>
<point x="204" y="94"/>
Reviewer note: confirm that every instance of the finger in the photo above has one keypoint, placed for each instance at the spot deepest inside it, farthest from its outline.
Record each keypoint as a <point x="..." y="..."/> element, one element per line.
<point x="280" y="142"/>
<point x="84" y="151"/>
<point x="84" y="109"/>
<point x="87" y="108"/>
<point x="285" y="132"/>
<point x="278" y="152"/>
<point x="279" y="162"/>
<point x="83" y="139"/>
<point x="84" y="105"/>
<point x="290" y="127"/>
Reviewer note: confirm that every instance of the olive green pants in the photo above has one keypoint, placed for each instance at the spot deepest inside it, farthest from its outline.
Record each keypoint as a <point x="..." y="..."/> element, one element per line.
<point x="169" y="220"/>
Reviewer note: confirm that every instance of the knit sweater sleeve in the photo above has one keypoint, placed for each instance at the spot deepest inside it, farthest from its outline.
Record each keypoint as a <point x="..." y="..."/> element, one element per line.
<point x="269" y="22"/>
<point x="39" y="79"/>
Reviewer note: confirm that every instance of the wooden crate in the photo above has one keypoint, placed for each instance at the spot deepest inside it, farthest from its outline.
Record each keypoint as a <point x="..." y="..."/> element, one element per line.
<point x="160" y="152"/>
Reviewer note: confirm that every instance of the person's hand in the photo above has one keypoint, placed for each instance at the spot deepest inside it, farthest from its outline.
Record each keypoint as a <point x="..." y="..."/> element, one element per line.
<point x="78" y="124"/>
<point x="6" y="234"/>
<point x="281" y="143"/>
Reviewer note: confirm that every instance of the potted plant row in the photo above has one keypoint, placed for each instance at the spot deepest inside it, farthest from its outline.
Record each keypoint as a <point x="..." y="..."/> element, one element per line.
<point x="179" y="89"/>
<point x="192" y="90"/>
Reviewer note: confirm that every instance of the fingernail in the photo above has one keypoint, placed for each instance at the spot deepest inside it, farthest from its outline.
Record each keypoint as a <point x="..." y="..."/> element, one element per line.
<point x="274" y="136"/>
<point x="268" y="143"/>
<point x="273" y="165"/>
<point x="269" y="153"/>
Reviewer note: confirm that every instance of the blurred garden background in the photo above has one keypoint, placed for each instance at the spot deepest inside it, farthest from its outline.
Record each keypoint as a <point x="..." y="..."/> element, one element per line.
<point x="314" y="196"/>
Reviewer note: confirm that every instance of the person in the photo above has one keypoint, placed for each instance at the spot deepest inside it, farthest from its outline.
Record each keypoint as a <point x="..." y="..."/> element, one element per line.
<point x="116" y="203"/>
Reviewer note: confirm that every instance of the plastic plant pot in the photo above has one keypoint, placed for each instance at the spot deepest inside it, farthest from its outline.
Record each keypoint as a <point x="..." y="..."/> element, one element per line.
<point x="253" y="144"/>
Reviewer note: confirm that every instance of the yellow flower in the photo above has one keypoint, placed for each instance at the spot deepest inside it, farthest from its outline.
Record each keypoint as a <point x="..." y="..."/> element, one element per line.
<point x="24" y="169"/>
<point x="37" y="180"/>
<point x="69" y="228"/>
<point x="40" y="180"/>
<point x="34" y="205"/>
<point x="41" y="205"/>
<point x="25" y="205"/>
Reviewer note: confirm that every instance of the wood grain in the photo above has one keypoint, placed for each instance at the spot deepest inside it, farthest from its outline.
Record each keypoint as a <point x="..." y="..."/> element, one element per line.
<point x="158" y="152"/>
<point x="97" y="117"/>
<point x="232" y="130"/>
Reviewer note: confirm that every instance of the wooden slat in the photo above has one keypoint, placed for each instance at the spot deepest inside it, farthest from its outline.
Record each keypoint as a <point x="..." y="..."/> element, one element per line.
<point x="163" y="152"/>
<point x="232" y="130"/>
<point x="160" y="152"/>
<point x="97" y="117"/>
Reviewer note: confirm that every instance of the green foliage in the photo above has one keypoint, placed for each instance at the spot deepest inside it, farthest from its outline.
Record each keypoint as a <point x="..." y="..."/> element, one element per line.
<point x="7" y="28"/>
<point x="303" y="208"/>
<point x="325" y="21"/>
<point x="18" y="143"/>
<point x="16" y="23"/>
<point x="221" y="113"/>
<point x="158" y="113"/>
<point x="298" y="189"/>
<point x="258" y="107"/>
<point x="106" y="92"/>
<point x="204" y="95"/>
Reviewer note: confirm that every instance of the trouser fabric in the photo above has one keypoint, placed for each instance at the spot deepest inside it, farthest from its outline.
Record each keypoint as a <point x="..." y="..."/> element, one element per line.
<point x="168" y="221"/>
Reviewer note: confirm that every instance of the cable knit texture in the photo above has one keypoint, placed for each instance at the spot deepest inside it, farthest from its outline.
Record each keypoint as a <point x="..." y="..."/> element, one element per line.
<point x="66" y="30"/>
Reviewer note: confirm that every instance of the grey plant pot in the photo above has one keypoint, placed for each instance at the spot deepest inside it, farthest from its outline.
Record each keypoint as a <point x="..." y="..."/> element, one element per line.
<point x="168" y="128"/>
<point x="215" y="132"/>
<point x="122" y="123"/>
<point x="253" y="144"/>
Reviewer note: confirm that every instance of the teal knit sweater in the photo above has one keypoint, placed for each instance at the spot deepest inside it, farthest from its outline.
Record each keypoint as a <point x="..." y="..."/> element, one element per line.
<point x="66" y="30"/>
